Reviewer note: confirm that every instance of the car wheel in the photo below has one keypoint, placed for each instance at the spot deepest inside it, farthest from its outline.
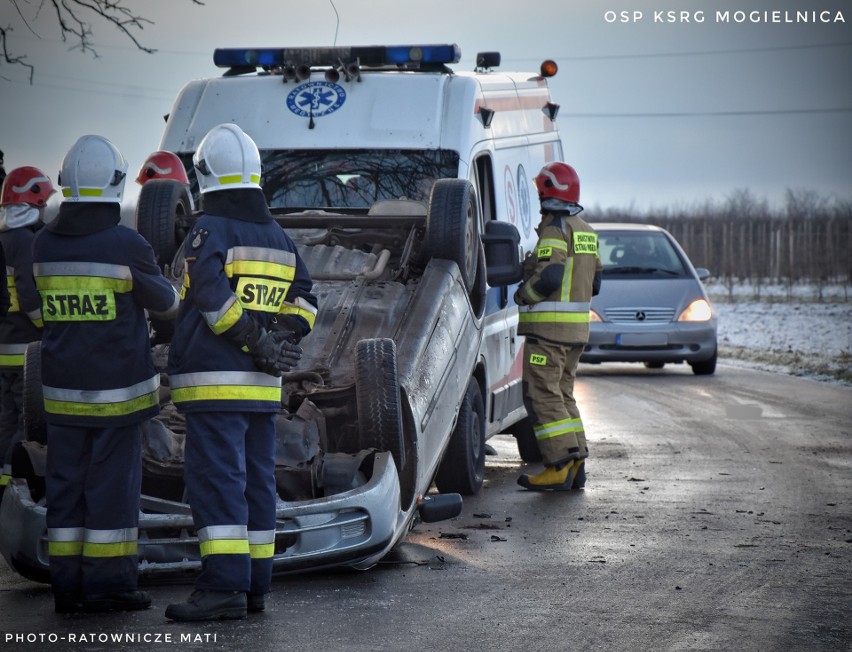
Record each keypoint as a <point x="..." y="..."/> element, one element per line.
<point x="163" y="214"/>
<point x="654" y="365"/>
<point x="35" y="428"/>
<point x="377" y="397"/>
<point x="525" y="437"/>
<point x="705" y="367"/>
<point x="452" y="227"/>
<point x="463" y="467"/>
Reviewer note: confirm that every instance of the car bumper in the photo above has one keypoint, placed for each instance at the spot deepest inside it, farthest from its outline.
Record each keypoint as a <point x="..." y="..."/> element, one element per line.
<point x="355" y="528"/>
<point x="671" y="342"/>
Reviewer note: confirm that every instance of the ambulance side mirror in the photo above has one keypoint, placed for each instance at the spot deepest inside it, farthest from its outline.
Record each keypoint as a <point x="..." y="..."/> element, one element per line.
<point x="503" y="259"/>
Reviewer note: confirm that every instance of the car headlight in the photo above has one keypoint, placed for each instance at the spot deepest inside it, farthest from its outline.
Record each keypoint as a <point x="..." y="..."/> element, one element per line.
<point x="698" y="310"/>
<point x="593" y="316"/>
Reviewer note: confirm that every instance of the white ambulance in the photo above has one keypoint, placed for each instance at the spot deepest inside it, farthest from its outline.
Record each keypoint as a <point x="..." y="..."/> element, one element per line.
<point x="342" y="128"/>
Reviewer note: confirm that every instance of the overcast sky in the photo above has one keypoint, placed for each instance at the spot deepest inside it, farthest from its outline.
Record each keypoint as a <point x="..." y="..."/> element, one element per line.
<point x="653" y="114"/>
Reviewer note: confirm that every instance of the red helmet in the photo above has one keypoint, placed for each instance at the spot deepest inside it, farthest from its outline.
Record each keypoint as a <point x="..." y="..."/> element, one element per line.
<point x="559" y="181"/>
<point x="27" y="185"/>
<point x="162" y="165"/>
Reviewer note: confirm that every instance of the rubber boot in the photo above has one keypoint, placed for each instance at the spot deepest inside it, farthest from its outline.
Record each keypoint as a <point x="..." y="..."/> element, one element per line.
<point x="68" y="603"/>
<point x="553" y="478"/>
<point x="580" y="477"/>
<point x="255" y="602"/>
<point x="209" y="605"/>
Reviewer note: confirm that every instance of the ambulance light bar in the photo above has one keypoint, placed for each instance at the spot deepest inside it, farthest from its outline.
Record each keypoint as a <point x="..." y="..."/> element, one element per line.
<point x="368" y="55"/>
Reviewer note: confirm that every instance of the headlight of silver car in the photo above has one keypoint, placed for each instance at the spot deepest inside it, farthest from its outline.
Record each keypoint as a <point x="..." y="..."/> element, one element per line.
<point x="698" y="310"/>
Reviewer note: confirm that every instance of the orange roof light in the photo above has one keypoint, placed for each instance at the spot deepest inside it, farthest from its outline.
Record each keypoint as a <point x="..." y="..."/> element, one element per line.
<point x="548" y="68"/>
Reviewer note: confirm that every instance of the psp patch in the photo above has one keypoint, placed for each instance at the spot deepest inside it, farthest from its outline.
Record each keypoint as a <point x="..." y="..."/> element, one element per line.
<point x="538" y="359"/>
<point x="198" y="237"/>
<point x="316" y="99"/>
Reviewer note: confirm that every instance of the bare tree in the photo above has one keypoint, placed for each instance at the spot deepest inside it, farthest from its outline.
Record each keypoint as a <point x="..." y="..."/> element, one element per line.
<point x="75" y="19"/>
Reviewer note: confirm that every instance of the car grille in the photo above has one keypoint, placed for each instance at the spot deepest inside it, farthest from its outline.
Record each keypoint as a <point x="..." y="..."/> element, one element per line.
<point x="641" y="315"/>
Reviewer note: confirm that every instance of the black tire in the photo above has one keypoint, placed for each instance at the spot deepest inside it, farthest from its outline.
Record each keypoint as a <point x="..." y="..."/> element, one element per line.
<point x="525" y="438"/>
<point x="463" y="467"/>
<point x="452" y="227"/>
<point x="705" y="367"/>
<point x="378" y="399"/>
<point x="163" y="215"/>
<point x="35" y="428"/>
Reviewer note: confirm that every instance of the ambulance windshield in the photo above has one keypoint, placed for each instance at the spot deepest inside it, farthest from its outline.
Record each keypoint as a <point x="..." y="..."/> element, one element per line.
<point x="347" y="179"/>
<point x="342" y="178"/>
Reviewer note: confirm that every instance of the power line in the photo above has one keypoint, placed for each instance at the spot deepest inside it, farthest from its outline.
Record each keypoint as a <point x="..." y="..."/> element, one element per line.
<point x="692" y="114"/>
<point x="695" y="53"/>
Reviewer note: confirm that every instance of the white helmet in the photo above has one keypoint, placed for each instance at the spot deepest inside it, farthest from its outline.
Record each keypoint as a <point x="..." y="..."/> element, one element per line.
<point x="93" y="170"/>
<point x="226" y="158"/>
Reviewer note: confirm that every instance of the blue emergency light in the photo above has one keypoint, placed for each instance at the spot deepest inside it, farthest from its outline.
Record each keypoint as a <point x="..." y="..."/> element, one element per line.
<point x="367" y="55"/>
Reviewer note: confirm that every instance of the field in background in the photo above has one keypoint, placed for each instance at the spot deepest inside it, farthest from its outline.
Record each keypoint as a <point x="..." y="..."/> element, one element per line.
<point x="801" y="329"/>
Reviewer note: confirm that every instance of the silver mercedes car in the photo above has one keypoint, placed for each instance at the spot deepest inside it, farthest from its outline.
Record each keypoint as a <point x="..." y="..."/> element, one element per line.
<point x="652" y="307"/>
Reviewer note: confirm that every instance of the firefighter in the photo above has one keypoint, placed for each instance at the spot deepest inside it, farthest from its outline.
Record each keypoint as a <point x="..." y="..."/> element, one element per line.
<point x="560" y="277"/>
<point x="247" y="303"/>
<point x="96" y="278"/>
<point x="22" y="202"/>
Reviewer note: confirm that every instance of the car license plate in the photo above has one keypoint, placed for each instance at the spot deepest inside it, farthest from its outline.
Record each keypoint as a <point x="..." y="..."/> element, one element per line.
<point x="641" y="339"/>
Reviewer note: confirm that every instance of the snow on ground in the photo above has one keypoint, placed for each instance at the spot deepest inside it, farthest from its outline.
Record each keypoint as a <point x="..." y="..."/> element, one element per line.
<point x="787" y="330"/>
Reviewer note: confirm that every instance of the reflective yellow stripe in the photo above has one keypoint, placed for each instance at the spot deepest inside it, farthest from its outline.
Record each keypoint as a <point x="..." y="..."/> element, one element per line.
<point x="101" y="409"/>
<point x="226" y="393"/>
<point x="105" y="402"/>
<point x="83" y="192"/>
<point x="225" y="547"/>
<point x="65" y="548"/>
<point x="4" y="479"/>
<point x="309" y="316"/>
<point x="260" y="268"/>
<point x="118" y="549"/>
<point x="557" y="428"/>
<point x="567" y="280"/>
<point x="532" y="294"/>
<point x="44" y="283"/>
<point x="12" y="355"/>
<point x="554" y="317"/>
<point x="226" y="385"/>
<point x="15" y="305"/>
<point x="556" y="243"/>
<point x="262" y="550"/>
<point x="261" y="544"/>
<point x="35" y="317"/>
<point x="65" y="541"/>
<point x="223" y="540"/>
<point x="237" y="178"/>
<point x="63" y="275"/>
<point x="221" y="321"/>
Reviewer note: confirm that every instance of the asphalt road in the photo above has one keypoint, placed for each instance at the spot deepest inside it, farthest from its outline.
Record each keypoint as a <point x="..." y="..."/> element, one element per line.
<point x="717" y="516"/>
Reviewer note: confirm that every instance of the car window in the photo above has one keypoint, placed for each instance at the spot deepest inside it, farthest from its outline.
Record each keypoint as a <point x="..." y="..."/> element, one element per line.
<point x="639" y="253"/>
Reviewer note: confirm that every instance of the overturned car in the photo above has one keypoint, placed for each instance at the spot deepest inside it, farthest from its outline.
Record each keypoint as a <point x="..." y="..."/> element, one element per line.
<point x="386" y="386"/>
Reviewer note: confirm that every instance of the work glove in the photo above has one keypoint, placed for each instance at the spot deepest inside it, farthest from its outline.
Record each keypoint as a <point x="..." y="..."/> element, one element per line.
<point x="295" y="326"/>
<point x="274" y="354"/>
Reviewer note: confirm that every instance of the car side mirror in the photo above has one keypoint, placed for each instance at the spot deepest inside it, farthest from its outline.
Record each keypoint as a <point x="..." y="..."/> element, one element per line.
<point x="503" y="260"/>
<point x="703" y="273"/>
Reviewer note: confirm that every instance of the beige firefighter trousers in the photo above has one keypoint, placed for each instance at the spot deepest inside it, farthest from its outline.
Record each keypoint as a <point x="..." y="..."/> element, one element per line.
<point x="549" y="374"/>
